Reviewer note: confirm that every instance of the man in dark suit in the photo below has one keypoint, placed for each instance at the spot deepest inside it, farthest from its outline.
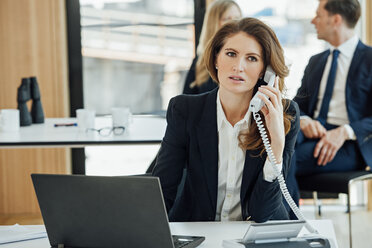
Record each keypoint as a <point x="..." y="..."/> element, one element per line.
<point x="335" y="98"/>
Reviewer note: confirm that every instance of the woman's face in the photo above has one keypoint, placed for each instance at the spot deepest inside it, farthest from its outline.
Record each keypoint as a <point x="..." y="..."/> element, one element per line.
<point x="240" y="64"/>
<point x="232" y="13"/>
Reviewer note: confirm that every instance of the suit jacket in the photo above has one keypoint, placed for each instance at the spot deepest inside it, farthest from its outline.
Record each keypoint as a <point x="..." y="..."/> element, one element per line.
<point x="358" y="94"/>
<point x="191" y="140"/>
<point x="190" y="77"/>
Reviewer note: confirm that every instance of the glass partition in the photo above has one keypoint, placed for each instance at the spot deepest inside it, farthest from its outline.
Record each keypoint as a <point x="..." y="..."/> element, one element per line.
<point x="135" y="52"/>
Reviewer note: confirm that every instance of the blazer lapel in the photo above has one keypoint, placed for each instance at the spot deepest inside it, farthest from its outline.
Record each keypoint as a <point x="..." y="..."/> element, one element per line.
<point x="355" y="63"/>
<point x="358" y="54"/>
<point x="317" y="73"/>
<point x="208" y="145"/>
<point x="252" y="165"/>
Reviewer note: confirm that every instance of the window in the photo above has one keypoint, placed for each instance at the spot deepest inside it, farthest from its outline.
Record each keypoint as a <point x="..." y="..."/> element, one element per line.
<point x="291" y="21"/>
<point x="136" y="54"/>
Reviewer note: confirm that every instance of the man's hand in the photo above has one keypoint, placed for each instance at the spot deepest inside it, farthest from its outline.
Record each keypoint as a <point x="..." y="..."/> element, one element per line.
<point x="327" y="147"/>
<point x="312" y="129"/>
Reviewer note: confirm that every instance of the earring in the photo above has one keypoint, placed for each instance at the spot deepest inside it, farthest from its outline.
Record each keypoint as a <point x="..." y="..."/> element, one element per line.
<point x="216" y="67"/>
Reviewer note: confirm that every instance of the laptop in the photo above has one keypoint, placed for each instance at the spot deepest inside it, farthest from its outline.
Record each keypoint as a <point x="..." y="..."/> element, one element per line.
<point x="97" y="211"/>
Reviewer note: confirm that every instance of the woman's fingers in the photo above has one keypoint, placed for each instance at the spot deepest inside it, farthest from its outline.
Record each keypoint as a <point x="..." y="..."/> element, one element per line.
<point x="271" y="95"/>
<point x="276" y="88"/>
<point x="275" y="97"/>
<point x="268" y="103"/>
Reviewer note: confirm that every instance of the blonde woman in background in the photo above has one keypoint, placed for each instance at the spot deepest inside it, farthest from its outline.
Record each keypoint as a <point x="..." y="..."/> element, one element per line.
<point x="218" y="13"/>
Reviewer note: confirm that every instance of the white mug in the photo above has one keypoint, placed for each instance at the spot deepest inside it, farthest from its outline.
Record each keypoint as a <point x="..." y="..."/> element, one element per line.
<point x="9" y="120"/>
<point x="85" y="118"/>
<point x="120" y="117"/>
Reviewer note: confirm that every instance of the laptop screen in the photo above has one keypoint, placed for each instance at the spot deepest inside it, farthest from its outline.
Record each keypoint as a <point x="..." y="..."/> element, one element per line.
<point x="95" y="211"/>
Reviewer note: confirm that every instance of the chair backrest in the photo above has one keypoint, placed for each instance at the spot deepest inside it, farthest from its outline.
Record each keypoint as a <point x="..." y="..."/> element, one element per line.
<point x="332" y="182"/>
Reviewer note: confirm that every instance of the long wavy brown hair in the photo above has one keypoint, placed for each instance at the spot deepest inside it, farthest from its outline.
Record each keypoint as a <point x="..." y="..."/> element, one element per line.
<point x="272" y="54"/>
<point x="211" y="24"/>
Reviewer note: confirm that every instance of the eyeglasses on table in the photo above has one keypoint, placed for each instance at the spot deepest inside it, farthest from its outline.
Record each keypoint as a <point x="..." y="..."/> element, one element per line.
<point x="106" y="131"/>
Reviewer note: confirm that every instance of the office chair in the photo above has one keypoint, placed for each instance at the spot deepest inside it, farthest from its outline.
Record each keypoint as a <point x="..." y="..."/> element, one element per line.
<point x="152" y="165"/>
<point x="333" y="182"/>
<point x="181" y="184"/>
<point x="158" y="113"/>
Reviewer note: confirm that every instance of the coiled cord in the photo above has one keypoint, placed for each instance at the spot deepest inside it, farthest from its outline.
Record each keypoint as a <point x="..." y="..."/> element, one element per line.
<point x="282" y="184"/>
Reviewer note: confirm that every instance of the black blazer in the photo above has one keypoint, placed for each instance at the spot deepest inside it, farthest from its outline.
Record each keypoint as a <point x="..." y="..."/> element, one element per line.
<point x="190" y="77"/>
<point x="358" y="94"/>
<point x="191" y="141"/>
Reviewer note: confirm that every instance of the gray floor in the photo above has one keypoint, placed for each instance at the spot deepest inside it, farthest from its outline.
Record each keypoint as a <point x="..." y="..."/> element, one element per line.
<point x="361" y="224"/>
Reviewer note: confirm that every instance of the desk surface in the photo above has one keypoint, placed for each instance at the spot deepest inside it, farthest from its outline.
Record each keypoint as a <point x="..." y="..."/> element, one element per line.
<point x="214" y="232"/>
<point x="143" y="129"/>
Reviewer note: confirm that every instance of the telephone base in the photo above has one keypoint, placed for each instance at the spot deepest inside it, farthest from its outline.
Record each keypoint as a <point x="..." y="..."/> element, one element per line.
<point x="301" y="242"/>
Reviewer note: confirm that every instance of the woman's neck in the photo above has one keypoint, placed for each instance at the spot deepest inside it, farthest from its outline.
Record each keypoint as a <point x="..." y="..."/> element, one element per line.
<point x="235" y="106"/>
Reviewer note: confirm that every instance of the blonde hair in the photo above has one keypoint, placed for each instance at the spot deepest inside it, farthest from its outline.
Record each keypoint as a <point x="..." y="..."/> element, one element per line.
<point x="211" y="24"/>
<point x="272" y="54"/>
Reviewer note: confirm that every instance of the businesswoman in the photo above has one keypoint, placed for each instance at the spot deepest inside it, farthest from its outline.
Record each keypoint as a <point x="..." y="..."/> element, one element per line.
<point x="218" y="13"/>
<point x="212" y="135"/>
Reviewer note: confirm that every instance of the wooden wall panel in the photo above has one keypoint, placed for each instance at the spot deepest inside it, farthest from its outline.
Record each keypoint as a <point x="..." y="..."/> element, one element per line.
<point x="32" y="43"/>
<point x="17" y="192"/>
<point x="368" y="26"/>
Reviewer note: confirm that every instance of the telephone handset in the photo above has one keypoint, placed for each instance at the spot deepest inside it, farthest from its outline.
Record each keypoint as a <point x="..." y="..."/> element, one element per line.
<point x="255" y="106"/>
<point x="269" y="78"/>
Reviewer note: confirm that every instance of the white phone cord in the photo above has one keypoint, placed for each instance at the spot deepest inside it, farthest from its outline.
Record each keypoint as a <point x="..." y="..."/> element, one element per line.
<point x="283" y="186"/>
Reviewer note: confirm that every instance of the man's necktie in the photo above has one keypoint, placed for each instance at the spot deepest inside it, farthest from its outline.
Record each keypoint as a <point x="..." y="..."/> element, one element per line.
<point x="329" y="89"/>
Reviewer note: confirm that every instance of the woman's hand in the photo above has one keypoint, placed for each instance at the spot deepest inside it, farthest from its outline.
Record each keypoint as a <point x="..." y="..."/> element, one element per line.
<point x="273" y="112"/>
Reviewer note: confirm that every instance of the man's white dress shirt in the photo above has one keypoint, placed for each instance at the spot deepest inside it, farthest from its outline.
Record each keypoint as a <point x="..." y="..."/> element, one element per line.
<point x="337" y="114"/>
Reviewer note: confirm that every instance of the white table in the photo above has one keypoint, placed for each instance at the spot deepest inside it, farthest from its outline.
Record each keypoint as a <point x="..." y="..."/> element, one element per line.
<point x="144" y="129"/>
<point x="214" y="232"/>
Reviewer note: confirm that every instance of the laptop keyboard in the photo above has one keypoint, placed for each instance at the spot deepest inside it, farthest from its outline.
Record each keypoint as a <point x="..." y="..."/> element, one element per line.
<point x="187" y="241"/>
<point x="179" y="243"/>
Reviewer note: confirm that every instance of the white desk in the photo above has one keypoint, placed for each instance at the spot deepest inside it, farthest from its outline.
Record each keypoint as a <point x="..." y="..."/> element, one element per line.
<point x="143" y="130"/>
<point x="214" y="233"/>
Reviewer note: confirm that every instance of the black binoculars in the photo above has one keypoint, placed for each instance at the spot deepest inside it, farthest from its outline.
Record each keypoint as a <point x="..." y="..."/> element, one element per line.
<point x="28" y="90"/>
